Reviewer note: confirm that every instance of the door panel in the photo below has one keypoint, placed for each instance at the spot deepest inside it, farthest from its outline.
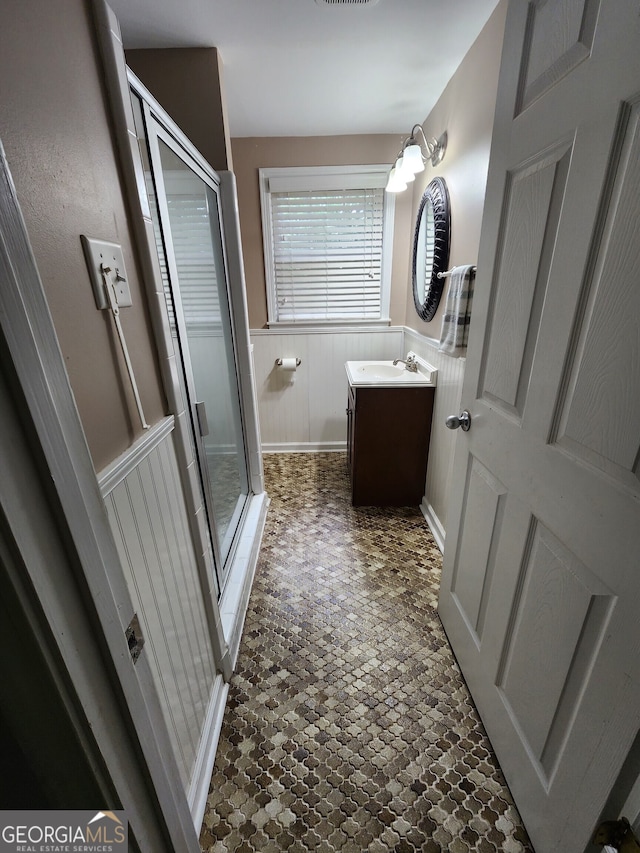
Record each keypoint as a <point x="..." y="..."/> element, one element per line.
<point x="475" y="560"/>
<point x="556" y="618"/>
<point x="540" y="582"/>
<point x="532" y="206"/>
<point x="599" y="389"/>
<point x="189" y="220"/>
<point x="560" y="37"/>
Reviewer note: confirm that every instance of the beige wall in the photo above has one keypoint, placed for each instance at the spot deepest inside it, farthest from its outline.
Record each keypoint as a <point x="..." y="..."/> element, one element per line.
<point x="251" y="154"/>
<point x="465" y="110"/>
<point x="55" y="130"/>
<point x="188" y="83"/>
<point x="54" y="126"/>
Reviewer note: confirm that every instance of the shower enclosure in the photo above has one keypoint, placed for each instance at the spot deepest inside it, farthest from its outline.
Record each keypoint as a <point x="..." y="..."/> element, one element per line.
<point x="185" y="204"/>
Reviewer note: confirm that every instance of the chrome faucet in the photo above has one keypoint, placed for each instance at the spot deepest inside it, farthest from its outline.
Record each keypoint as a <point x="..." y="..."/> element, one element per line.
<point x="410" y="364"/>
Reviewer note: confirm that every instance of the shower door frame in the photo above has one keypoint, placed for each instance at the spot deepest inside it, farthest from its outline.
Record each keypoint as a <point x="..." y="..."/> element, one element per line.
<point x="225" y="616"/>
<point x="157" y="130"/>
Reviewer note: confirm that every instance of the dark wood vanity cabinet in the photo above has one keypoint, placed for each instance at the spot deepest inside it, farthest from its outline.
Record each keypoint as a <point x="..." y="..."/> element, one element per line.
<point x="388" y="432"/>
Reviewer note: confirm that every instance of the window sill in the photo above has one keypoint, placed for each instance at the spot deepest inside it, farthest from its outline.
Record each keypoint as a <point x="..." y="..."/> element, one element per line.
<point x="329" y="324"/>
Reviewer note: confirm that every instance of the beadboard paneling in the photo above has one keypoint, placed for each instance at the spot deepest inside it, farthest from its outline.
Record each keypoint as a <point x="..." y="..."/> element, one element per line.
<point x="447" y="402"/>
<point x="283" y="398"/>
<point x="149" y="521"/>
<point x="308" y="413"/>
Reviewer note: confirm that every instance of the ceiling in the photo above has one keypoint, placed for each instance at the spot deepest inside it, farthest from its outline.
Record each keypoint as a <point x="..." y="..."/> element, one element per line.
<point x="298" y="68"/>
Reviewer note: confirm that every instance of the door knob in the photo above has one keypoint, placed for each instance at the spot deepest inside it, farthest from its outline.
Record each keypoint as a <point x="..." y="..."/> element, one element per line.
<point x="462" y="420"/>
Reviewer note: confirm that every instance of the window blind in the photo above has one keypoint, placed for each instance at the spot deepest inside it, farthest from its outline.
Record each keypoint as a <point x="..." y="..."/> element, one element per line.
<point x="191" y="233"/>
<point x="190" y="230"/>
<point x="327" y="253"/>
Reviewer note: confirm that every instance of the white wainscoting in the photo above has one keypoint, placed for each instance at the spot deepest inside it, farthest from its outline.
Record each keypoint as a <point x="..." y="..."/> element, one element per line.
<point x="147" y="512"/>
<point x="308" y="413"/>
<point x="443" y="440"/>
<point x="305" y="410"/>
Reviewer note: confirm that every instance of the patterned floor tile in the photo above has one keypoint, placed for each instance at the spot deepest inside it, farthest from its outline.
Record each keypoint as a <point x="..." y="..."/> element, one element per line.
<point x="348" y="726"/>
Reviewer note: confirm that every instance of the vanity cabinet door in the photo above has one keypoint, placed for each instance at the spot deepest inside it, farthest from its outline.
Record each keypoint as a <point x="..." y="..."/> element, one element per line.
<point x="389" y="445"/>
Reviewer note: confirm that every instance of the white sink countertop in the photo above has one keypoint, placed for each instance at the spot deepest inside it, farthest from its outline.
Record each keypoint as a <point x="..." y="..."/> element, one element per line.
<point x="385" y="373"/>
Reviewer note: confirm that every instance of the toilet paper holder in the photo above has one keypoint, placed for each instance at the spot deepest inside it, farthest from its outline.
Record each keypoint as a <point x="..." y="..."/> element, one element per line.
<point x="279" y="362"/>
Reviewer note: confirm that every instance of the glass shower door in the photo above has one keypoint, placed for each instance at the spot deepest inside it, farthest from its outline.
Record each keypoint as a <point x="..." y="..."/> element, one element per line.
<point x="189" y="220"/>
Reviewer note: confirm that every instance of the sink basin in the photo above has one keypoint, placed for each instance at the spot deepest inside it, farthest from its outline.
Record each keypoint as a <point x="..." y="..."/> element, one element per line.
<point x="389" y="374"/>
<point x="381" y="370"/>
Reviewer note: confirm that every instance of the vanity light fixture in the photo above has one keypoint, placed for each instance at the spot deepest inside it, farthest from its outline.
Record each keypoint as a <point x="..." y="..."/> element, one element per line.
<point x="411" y="160"/>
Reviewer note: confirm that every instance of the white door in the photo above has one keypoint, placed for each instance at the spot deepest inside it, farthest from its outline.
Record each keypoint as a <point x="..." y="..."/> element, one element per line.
<point x="541" y="583"/>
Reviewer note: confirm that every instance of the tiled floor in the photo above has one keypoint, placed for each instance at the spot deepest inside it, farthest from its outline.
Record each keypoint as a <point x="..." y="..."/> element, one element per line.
<point x="348" y="726"/>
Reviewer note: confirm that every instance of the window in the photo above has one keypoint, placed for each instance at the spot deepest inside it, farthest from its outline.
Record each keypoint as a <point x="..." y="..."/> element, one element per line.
<point x="328" y="234"/>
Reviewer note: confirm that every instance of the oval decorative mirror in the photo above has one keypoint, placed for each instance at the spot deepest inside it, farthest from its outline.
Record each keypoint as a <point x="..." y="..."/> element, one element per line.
<point x="431" y="248"/>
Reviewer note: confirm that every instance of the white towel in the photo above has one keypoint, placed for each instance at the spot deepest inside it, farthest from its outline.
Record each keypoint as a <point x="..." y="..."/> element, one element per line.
<point x="457" y="312"/>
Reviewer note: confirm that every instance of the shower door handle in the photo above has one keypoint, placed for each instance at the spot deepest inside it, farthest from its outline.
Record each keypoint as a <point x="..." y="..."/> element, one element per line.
<point x="203" y="423"/>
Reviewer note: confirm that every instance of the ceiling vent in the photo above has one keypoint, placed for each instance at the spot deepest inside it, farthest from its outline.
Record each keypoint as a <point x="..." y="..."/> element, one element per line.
<point x="347" y="2"/>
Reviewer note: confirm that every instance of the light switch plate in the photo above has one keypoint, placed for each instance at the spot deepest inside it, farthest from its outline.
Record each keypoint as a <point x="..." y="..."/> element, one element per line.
<point x="98" y="253"/>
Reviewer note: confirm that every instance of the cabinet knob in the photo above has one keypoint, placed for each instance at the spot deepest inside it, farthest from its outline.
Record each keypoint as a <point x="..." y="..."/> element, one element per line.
<point x="463" y="420"/>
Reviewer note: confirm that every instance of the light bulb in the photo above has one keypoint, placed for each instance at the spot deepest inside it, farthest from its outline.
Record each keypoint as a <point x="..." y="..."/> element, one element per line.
<point x="395" y="184"/>
<point x="404" y="170"/>
<point x="412" y="158"/>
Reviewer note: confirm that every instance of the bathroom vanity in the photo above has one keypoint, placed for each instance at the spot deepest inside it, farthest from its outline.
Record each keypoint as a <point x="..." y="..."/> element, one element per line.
<point x="389" y="413"/>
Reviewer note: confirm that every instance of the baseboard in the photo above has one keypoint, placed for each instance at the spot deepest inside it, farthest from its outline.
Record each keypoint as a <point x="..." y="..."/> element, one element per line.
<point x="435" y="525"/>
<point x="205" y="759"/>
<point x="305" y="447"/>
